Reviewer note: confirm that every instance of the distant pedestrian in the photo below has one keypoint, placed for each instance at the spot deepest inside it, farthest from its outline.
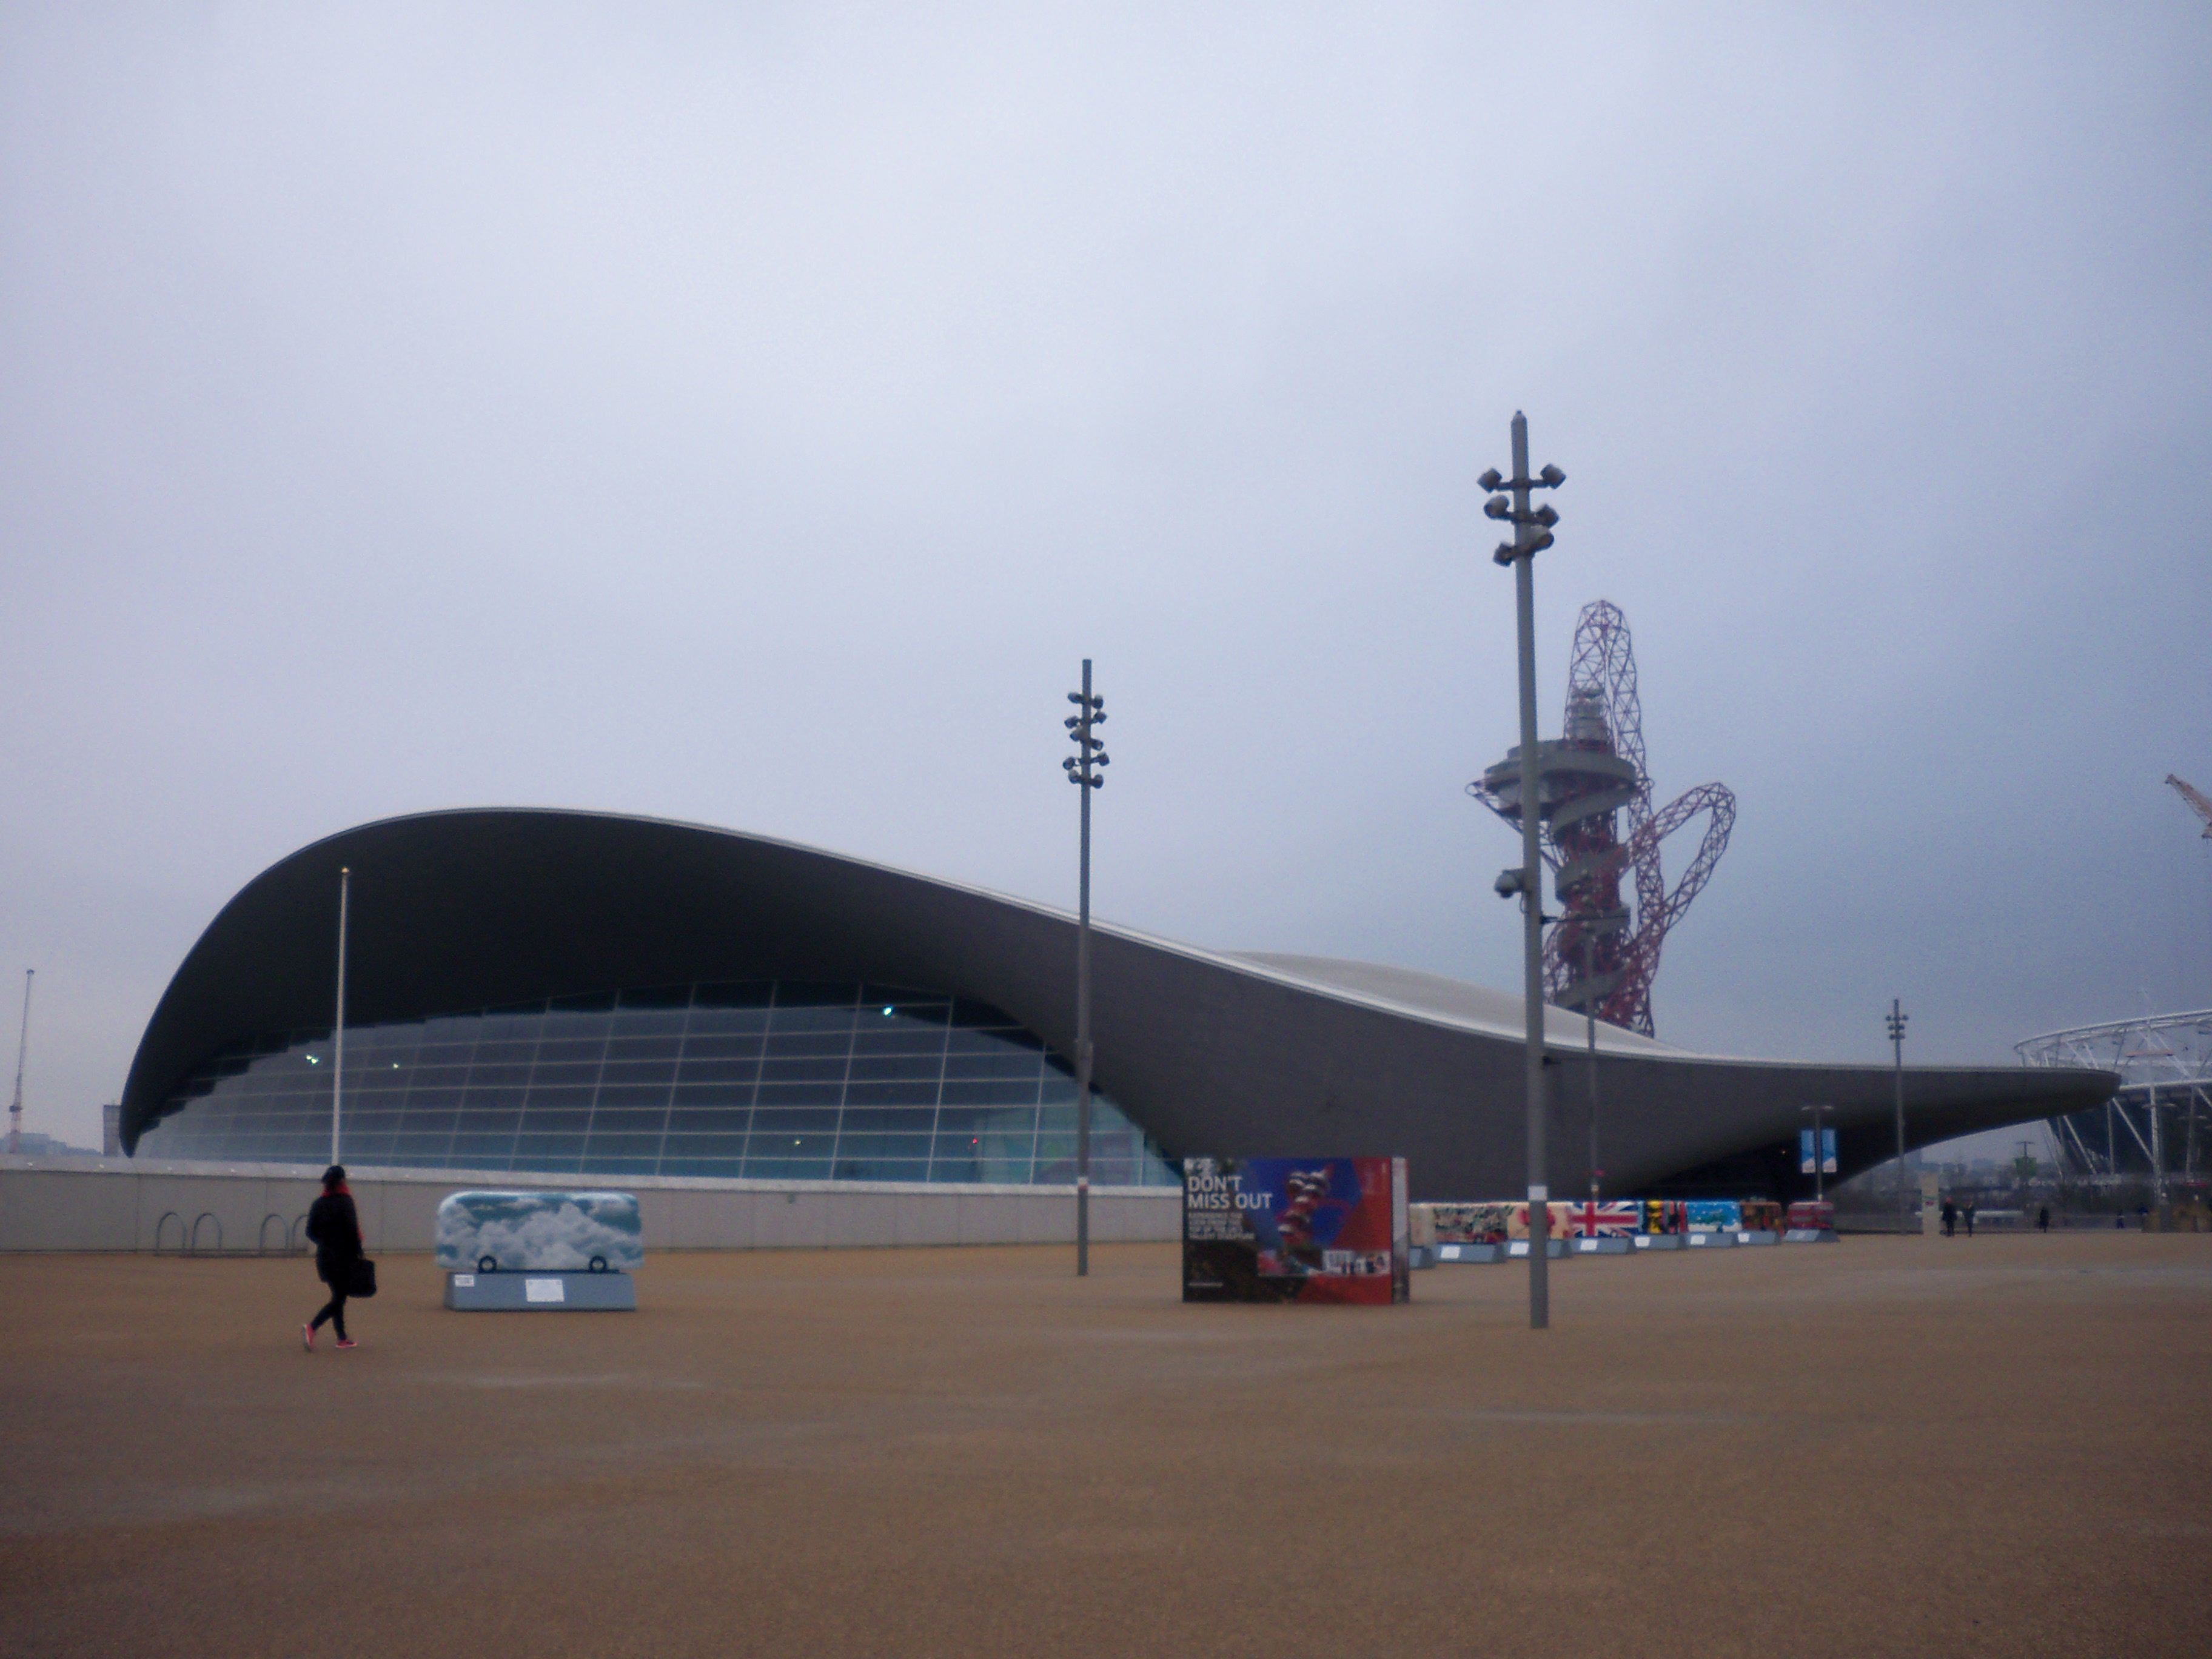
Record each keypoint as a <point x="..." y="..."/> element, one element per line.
<point x="1970" y="1219"/>
<point x="2143" y="1215"/>
<point x="2120" y="1219"/>
<point x="1950" y="1220"/>
<point x="2043" y="1219"/>
<point x="335" y="1230"/>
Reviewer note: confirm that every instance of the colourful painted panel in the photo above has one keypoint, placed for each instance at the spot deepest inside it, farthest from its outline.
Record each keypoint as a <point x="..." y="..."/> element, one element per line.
<point x="540" y="1232"/>
<point x="1715" y="1215"/>
<point x="1295" y="1230"/>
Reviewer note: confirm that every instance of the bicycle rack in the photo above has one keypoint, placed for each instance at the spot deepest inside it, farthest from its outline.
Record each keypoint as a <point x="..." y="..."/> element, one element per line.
<point x="295" y="1235"/>
<point x="283" y="1240"/>
<point x="207" y="1215"/>
<point x="167" y="1216"/>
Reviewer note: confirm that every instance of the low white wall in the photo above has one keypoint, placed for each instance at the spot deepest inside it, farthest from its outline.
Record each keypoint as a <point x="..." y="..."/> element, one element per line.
<point x="127" y="1204"/>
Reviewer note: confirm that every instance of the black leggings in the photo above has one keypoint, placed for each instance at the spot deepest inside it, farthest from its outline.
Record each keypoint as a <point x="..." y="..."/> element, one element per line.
<point x="334" y="1310"/>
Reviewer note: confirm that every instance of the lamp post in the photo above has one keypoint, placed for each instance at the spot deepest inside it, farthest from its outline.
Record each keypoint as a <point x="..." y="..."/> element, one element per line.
<point x="1532" y="533"/>
<point x="1819" y="1148"/>
<point x="337" y="1029"/>
<point x="1082" y="769"/>
<point x="1589" y="1015"/>
<point x="1896" y="1020"/>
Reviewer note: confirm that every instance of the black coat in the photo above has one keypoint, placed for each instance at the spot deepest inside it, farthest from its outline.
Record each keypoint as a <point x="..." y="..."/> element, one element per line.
<point x="335" y="1230"/>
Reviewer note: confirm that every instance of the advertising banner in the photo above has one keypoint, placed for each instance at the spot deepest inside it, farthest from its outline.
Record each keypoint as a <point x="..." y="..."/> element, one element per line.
<point x="1295" y="1230"/>
<point x="1805" y="1152"/>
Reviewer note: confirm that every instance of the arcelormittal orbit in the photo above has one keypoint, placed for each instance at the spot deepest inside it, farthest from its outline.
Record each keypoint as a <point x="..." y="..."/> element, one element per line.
<point x="1597" y="953"/>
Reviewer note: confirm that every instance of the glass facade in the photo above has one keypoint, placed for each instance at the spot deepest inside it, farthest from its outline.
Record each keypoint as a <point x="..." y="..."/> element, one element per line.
<point x="766" y="1080"/>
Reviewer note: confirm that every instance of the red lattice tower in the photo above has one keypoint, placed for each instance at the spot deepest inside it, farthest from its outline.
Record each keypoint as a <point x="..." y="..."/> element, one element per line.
<point x="1597" y="953"/>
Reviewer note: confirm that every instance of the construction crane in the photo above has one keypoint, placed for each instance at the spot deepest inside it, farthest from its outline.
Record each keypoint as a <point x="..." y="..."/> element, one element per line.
<point x="1595" y="958"/>
<point x="2202" y="807"/>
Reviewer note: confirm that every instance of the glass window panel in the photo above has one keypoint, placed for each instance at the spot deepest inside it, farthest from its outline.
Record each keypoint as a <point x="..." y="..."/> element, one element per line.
<point x="421" y="1099"/>
<point x="788" y="1122"/>
<point x="889" y="1170"/>
<point x="577" y="1073"/>
<point x="555" y="1154"/>
<point x="874" y="1067"/>
<point x="723" y="1097"/>
<point x="489" y="1150"/>
<point x="636" y="1071"/>
<point x="481" y="1075"/>
<point x="694" y="1073"/>
<point x="1022" y="1065"/>
<point x="599" y="1165"/>
<point x="924" y="1042"/>
<point x="709" y="1120"/>
<point x="621" y="1048"/>
<point x="559" y="1099"/>
<point x="518" y="1024"/>
<point x="600" y="1145"/>
<point x="633" y="1024"/>
<point x="881" y="1147"/>
<point x="575" y="1028"/>
<point x="798" y="1094"/>
<point x="493" y="1100"/>
<point x="711" y="1169"/>
<point x="1060" y="1092"/>
<point x="787" y="1169"/>
<point x="408" y="1145"/>
<point x="918" y="1092"/>
<point x="697" y="1146"/>
<point x="572" y="1048"/>
<point x="984" y="1093"/>
<point x="504" y="1053"/>
<point x="822" y="1070"/>
<point x="792" y="1045"/>
<point x="539" y="1121"/>
<point x="711" y="1046"/>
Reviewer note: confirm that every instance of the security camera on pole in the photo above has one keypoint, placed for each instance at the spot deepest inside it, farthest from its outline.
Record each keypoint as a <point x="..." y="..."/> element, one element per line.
<point x="1532" y="533"/>
<point x="1083" y="768"/>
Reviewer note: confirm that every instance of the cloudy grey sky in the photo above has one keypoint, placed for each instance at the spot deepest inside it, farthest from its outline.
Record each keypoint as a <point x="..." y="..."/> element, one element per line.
<point x="752" y="415"/>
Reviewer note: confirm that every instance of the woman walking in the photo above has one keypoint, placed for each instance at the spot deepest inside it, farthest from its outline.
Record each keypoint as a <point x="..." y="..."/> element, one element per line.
<point x="335" y="1230"/>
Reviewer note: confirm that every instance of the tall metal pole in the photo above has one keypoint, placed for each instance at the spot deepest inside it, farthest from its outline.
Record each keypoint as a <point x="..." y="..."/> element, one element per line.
<point x="1085" y="770"/>
<point x="1820" y="1152"/>
<point x="1532" y="891"/>
<point x="22" y="1049"/>
<point x="1897" y="1017"/>
<point x="1590" y="1013"/>
<point x="1083" y="1008"/>
<point x="338" y="1046"/>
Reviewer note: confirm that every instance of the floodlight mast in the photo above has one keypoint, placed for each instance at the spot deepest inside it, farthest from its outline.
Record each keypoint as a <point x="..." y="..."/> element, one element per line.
<point x="1897" y="1020"/>
<point x="1532" y="533"/>
<point x="1084" y="768"/>
<point x="22" y="1049"/>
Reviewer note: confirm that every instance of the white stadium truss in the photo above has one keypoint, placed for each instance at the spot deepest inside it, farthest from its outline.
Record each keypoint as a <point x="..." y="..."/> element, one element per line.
<point x="2157" y="1121"/>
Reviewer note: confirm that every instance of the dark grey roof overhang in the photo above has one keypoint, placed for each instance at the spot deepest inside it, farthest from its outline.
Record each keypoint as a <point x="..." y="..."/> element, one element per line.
<point x="1211" y="1053"/>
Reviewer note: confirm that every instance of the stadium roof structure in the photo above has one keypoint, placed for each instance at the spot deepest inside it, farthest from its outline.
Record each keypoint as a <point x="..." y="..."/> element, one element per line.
<point x="1211" y="1053"/>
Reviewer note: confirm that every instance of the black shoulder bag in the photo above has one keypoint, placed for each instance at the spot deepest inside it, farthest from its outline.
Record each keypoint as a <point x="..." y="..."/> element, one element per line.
<point x="360" y="1281"/>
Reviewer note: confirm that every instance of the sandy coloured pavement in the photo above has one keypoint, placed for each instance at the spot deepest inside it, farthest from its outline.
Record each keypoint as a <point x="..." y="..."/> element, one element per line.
<point x="1887" y="1446"/>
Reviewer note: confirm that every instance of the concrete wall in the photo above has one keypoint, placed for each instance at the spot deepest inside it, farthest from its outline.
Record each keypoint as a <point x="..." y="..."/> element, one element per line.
<point x="127" y="1204"/>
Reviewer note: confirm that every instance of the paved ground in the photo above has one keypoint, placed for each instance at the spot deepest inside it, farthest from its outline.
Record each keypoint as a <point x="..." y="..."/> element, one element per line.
<point x="1890" y="1446"/>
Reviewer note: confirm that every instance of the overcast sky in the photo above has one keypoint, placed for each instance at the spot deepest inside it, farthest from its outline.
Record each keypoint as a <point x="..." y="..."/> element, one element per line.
<point x="752" y="415"/>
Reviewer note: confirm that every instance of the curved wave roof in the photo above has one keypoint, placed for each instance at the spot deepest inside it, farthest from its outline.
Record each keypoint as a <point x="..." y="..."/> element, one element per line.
<point x="1212" y="1053"/>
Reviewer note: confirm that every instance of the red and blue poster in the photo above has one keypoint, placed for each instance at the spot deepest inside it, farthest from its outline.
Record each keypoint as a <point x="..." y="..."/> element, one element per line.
<point x="1294" y="1229"/>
